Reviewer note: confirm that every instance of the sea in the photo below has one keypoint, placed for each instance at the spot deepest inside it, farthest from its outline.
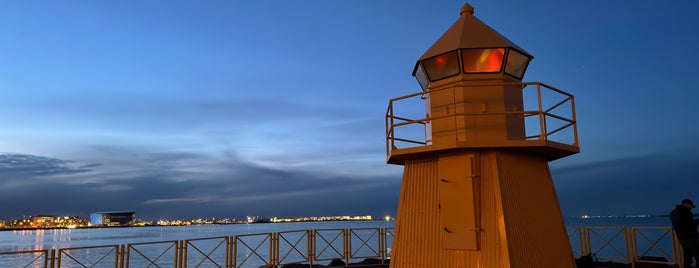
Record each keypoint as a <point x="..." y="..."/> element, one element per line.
<point x="24" y="240"/>
<point x="29" y="240"/>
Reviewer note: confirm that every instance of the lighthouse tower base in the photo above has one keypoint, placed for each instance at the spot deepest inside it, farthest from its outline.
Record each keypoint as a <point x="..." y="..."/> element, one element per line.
<point x="479" y="208"/>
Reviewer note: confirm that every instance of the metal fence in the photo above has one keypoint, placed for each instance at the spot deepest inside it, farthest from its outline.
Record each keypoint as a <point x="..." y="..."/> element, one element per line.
<point x="252" y="250"/>
<point x="634" y="245"/>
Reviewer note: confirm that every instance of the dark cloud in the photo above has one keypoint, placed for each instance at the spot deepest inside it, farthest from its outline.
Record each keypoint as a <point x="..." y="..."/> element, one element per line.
<point x="649" y="184"/>
<point x="226" y="188"/>
<point x="18" y="166"/>
<point x="172" y="184"/>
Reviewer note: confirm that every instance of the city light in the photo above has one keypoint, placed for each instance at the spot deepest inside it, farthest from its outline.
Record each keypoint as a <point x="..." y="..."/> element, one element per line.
<point x="71" y="222"/>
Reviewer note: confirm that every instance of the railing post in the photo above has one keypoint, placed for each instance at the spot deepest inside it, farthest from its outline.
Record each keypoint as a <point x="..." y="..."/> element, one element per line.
<point x="274" y="250"/>
<point x="586" y="240"/>
<point x="126" y="256"/>
<point x="575" y="120"/>
<point x="347" y="245"/>
<point x="677" y="249"/>
<point x="120" y="256"/>
<point x="235" y="251"/>
<point x="181" y="253"/>
<point x="389" y="128"/>
<point x="542" y="117"/>
<point x="382" y="244"/>
<point x="227" y="255"/>
<point x="631" y="246"/>
<point x="230" y="247"/>
<point x="310" y="248"/>
<point x="53" y="258"/>
<point x="628" y="247"/>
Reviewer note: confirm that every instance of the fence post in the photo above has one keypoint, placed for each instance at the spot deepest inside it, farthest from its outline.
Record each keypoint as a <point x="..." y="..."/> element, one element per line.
<point x="382" y="244"/>
<point x="585" y="231"/>
<point x="310" y="248"/>
<point x="181" y="253"/>
<point x="347" y="245"/>
<point x="120" y="256"/>
<point x="274" y="249"/>
<point x="53" y="258"/>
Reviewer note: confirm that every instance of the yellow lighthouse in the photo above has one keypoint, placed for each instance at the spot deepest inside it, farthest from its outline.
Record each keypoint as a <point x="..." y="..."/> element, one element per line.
<point x="477" y="190"/>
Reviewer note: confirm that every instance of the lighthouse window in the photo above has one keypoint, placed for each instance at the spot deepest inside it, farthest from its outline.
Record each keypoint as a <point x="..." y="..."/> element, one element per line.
<point x="516" y="64"/>
<point x="442" y="66"/>
<point x="483" y="60"/>
<point x="421" y="78"/>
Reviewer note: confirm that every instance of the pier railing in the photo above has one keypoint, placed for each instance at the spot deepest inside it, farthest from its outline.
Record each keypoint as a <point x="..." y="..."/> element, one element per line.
<point x="633" y="245"/>
<point x="307" y="247"/>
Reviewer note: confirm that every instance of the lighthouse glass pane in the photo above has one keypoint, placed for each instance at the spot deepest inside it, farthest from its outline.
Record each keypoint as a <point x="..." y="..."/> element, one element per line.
<point x="483" y="60"/>
<point x="421" y="78"/>
<point x="442" y="66"/>
<point x="516" y="64"/>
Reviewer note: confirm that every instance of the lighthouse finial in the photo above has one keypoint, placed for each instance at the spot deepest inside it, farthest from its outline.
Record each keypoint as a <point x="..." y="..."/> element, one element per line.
<point x="466" y="8"/>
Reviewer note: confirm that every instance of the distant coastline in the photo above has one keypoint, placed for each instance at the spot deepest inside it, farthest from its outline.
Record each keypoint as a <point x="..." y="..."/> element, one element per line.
<point x="199" y="222"/>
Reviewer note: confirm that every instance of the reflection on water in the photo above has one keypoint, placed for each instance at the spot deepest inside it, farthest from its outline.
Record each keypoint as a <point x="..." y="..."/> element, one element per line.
<point x="38" y="239"/>
<point x="24" y="240"/>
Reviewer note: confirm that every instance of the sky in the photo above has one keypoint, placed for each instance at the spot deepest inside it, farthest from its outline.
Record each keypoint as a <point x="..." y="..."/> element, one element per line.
<point x="213" y="109"/>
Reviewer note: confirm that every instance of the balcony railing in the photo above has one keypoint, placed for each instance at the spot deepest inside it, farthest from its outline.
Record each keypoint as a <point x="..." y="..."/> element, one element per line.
<point x="548" y="114"/>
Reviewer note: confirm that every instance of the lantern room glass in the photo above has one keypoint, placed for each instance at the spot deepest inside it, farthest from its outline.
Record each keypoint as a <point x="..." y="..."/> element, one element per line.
<point x="487" y="60"/>
<point x="421" y="78"/>
<point x="442" y="66"/>
<point x="516" y="63"/>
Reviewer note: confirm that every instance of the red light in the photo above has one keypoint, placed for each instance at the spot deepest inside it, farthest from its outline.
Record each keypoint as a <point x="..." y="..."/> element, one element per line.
<point x="483" y="60"/>
<point x="493" y="60"/>
<point x="441" y="60"/>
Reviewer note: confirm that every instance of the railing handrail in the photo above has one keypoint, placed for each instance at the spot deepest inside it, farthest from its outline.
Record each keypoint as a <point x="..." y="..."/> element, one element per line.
<point x="347" y="252"/>
<point x="545" y="113"/>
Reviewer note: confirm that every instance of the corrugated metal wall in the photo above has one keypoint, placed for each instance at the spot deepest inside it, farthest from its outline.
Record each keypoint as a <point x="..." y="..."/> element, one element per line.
<point x="535" y="230"/>
<point x="517" y="210"/>
<point x="416" y="242"/>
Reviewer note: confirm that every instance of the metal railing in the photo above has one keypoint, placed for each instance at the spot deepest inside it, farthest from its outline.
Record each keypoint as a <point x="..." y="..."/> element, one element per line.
<point x="250" y="250"/>
<point x="548" y="113"/>
<point x="650" y="245"/>
<point x="634" y="245"/>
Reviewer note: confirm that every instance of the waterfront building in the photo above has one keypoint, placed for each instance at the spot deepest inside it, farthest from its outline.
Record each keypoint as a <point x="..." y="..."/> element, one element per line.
<point x="114" y="218"/>
<point x="43" y="221"/>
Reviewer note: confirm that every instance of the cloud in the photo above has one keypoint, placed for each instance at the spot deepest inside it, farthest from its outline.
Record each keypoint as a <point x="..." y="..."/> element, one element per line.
<point x="172" y="184"/>
<point x="649" y="184"/>
<point x="26" y="166"/>
<point x="183" y="184"/>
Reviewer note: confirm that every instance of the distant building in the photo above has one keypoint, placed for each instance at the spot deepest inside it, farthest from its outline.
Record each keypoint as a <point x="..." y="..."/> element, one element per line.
<point x="115" y="218"/>
<point x="43" y="221"/>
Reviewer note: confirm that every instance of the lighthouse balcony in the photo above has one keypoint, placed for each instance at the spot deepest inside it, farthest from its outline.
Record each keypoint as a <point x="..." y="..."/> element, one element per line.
<point x="526" y="116"/>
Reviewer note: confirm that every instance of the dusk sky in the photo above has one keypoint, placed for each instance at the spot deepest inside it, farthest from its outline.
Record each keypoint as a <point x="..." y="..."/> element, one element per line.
<point x="184" y="109"/>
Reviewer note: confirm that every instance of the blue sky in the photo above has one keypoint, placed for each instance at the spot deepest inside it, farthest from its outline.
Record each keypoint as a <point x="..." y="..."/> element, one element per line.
<point x="275" y="108"/>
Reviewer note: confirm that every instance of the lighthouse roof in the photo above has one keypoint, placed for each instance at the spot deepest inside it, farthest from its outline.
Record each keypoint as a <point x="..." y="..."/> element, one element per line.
<point x="469" y="32"/>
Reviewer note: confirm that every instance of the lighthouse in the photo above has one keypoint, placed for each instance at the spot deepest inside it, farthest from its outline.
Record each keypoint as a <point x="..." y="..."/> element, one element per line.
<point x="476" y="189"/>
